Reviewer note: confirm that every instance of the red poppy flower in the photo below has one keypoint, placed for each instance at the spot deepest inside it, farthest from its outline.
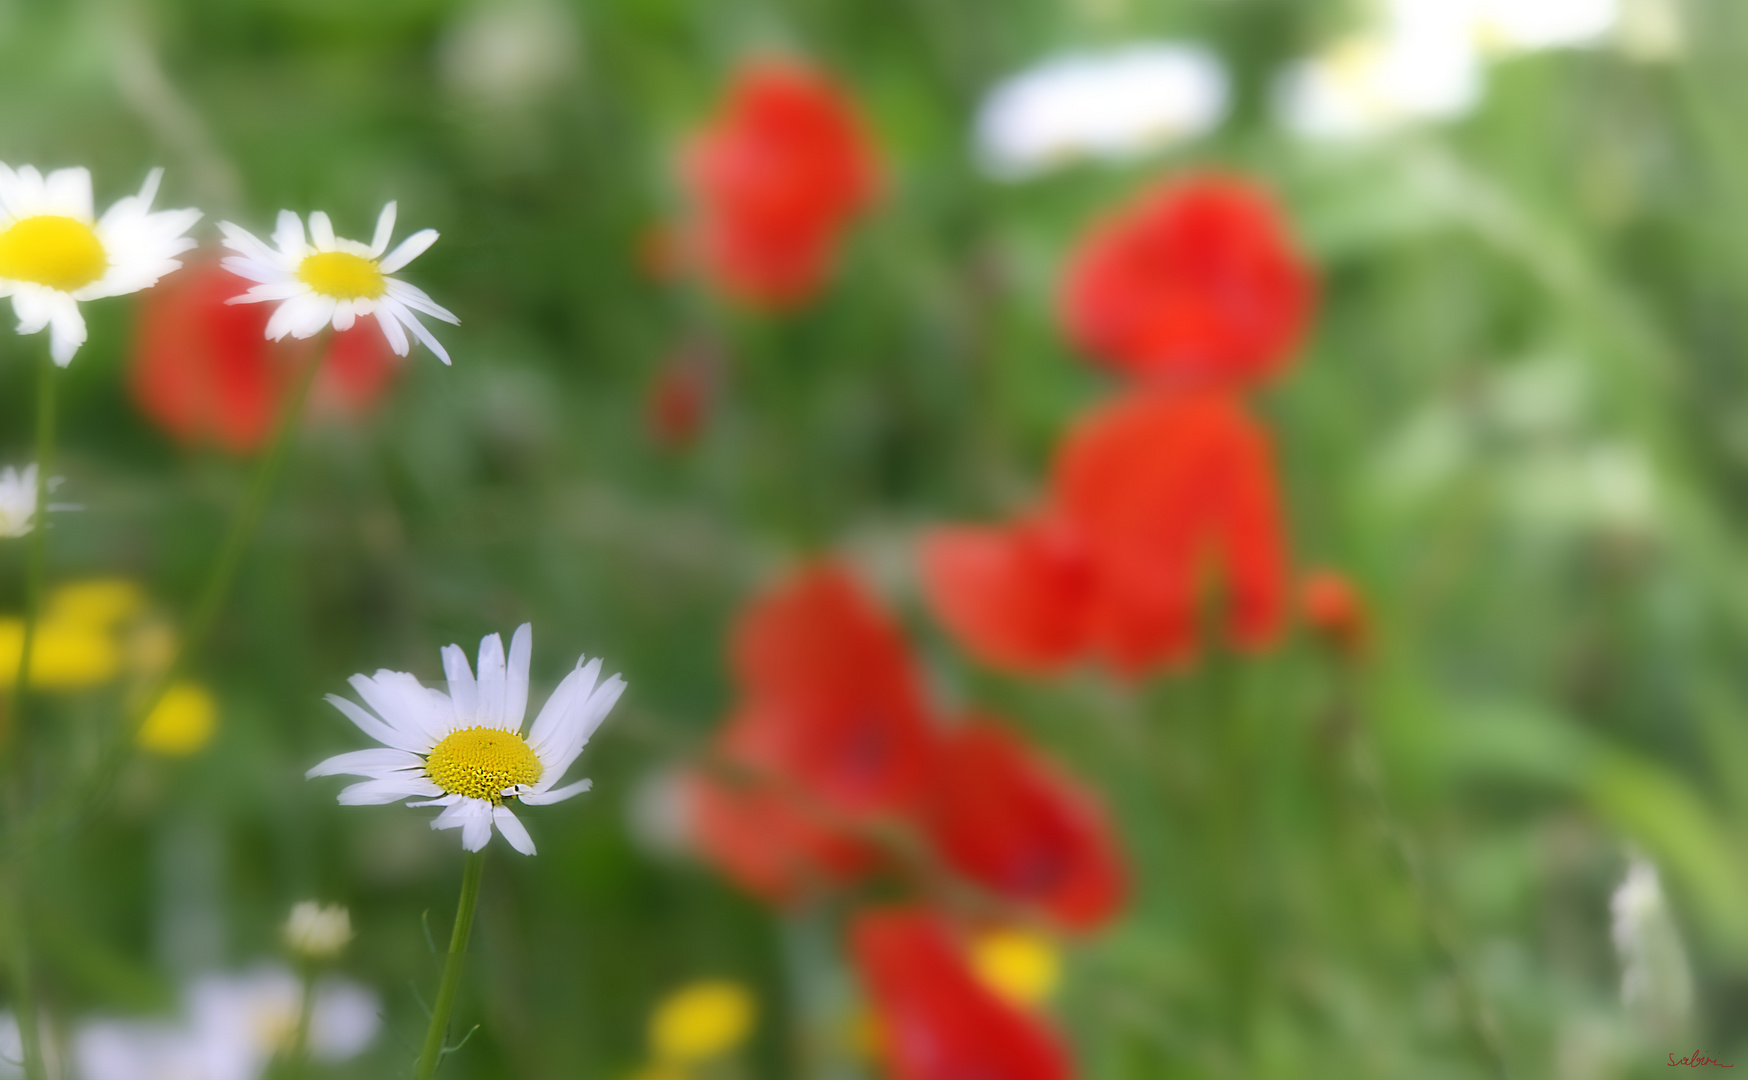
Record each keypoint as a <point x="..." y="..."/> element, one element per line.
<point x="936" y="1020"/>
<point x="775" y="177"/>
<point x="831" y="687"/>
<point x="1195" y="283"/>
<point x="1154" y="497"/>
<point x="758" y="831"/>
<point x="1168" y="491"/>
<point x="1018" y="596"/>
<point x="1333" y="608"/>
<point x="204" y="371"/>
<point x="1015" y="825"/>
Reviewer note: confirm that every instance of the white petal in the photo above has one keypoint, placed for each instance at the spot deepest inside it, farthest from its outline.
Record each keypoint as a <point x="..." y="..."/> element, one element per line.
<point x="388" y="789"/>
<point x="462" y="690"/>
<point x="411" y="322"/>
<point x="391" y="329"/>
<point x="385" y="230"/>
<point x="68" y="192"/>
<point x="405" y="704"/>
<point x="149" y="189"/>
<point x="580" y="728"/>
<point x="288" y="235"/>
<point x="547" y="798"/>
<point x="408" y="250"/>
<point x="294" y="312"/>
<point x="516" y="686"/>
<point x="416" y="298"/>
<point x="66" y="328"/>
<point x="375" y="762"/>
<point x="376" y="729"/>
<point x="514" y="831"/>
<point x="343" y="315"/>
<point x="321" y="231"/>
<point x="31" y="305"/>
<point x="576" y="686"/>
<point x="491" y="682"/>
<point x="247" y="244"/>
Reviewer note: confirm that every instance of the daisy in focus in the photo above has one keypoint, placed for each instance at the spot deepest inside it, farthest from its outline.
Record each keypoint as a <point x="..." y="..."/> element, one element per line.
<point x="465" y="750"/>
<point x="328" y="280"/>
<point x="54" y="251"/>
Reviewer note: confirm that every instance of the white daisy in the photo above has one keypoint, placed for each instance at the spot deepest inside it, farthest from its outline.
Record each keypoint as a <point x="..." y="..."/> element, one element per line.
<point x="18" y="500"/>
<point x="332" y="281"/>
<point x="232" y="1028"/>
<point x="54" y="253"/>
<point x="464" y="750"/>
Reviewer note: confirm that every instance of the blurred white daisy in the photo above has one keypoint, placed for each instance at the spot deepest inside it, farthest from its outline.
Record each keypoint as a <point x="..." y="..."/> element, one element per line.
<point x="464" y="750"/>
<point x="316" y="931"/>
<point x="1115" y="104"/>
<point x="232" y="1028"/>
<point x="55" y="253"/>
<point x="18" y="500"/>
<point x="331" y="281"/>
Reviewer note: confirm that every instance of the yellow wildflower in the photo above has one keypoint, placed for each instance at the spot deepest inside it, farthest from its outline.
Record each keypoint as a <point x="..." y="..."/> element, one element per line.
<point x="65" y="656"/>
<point x="182" y="721"/>
<point x="700" y="1021"/>
<point x="97" y="603"/>
<point x="1020" y="965"/>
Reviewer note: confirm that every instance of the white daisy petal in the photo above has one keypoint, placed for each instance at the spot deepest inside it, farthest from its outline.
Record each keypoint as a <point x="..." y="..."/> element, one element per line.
<point x="375" y="728"/>
<point x="581" y="728"/>
<point x="415" y="298"/>
<point x="411" y="322"/>
<point x="66" y="328"/>
<point x="321" y="231"/>
<point x="288" y="235"/>
<point x="514" y="831"/>
<point x="391" y="329"/>
<point x="547" y="798"/>
<point x="68" y="192"/>
<point x="516" y="685"/>
<point x="462" y="690"/>
<point x="408" y="250"/>
<point x="576" y="686"/>
<point x="375" y="762"/>
<point x="491" y="681"/>
<point x="385" y="230"/>
<point x="387" y="790"/>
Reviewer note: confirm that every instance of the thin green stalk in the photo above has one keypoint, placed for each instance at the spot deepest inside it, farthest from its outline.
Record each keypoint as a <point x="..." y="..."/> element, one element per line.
<point x="297" y="1058"/>
<point x="36" y="559"/>
<point x="24" y="982"/>
<point x="433" y="1051"/>
<point x="23" y="975"/>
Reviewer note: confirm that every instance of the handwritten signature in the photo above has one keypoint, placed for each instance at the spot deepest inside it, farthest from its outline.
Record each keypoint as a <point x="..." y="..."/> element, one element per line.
<point x="1696" y="1059"/>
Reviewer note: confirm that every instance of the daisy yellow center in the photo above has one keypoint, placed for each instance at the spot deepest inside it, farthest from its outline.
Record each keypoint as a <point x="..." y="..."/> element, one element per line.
<point x="342" y="275"/>
<point x="480" y="762"/>
<point x="60" y="252"/>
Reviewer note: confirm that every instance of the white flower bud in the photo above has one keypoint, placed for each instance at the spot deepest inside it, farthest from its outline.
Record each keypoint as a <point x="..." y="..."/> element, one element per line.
<point x="318" y="932"/>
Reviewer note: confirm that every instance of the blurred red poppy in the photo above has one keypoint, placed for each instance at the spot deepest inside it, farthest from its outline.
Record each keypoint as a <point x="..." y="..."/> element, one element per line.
<point x="936" y="1020"/>
<point x="830" y="685"/>
<point x="1195" y="283"/>
<point x="203" y="369"/>
<point x="1017" y="596"/>
<point x="1334" y="610"/>
<point x="774" y="178"/>
<point x="760" y="833"/>
<point x="1168" y="492"/>
<point x="1011" y="822"/>
<point x="1154" y="496"/>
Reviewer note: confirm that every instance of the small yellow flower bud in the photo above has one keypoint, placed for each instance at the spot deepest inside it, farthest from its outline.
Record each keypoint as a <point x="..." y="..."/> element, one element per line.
<point x="700" y="1021"/>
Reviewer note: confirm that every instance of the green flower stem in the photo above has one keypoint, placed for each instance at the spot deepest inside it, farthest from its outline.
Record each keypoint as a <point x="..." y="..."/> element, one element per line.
<point x="36" y="558"/>
<point x="433" y="1051"/>
<point x="23" y="977"/>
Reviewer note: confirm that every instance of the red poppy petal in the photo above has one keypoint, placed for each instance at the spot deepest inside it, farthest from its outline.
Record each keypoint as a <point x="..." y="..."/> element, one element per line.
<point x="1016" y="597"/>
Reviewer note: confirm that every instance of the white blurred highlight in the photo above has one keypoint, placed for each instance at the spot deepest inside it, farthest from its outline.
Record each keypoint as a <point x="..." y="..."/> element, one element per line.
<point x="1117" y="104"/>
<point x="1656" y="982"/>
